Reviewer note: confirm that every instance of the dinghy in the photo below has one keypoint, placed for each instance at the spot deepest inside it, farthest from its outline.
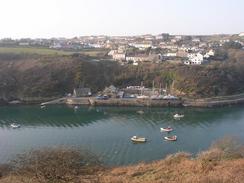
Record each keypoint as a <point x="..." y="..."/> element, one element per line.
<point x="138" y="139"/>
<point x="178" y="116"/>
<point x="168" y="129"/>
<point x="14" y="125"/>
<point x="171" y="138"/>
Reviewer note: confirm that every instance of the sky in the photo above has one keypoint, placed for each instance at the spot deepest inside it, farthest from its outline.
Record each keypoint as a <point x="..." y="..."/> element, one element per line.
<point x="70" y="18"/>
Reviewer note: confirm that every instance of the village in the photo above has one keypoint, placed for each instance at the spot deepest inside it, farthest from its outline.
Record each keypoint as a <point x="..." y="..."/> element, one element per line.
<point x="189" y="50"/>
<point x="112" y="96"/>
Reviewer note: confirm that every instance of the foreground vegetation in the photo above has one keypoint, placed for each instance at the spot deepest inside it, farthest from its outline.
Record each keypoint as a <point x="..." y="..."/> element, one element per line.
<point x="223" y="162"/>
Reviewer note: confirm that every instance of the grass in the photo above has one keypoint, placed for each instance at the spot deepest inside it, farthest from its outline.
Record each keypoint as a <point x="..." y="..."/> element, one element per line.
<point x="47" y="51"/>
<point x="32" y="50"/>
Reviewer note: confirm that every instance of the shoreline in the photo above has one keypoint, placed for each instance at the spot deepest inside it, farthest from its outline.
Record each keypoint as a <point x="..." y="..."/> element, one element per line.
<point x="220" y="101"/>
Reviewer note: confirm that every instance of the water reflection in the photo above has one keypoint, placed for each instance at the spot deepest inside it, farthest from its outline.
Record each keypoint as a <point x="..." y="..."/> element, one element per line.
<point x="106" y="131"/>
<point x="54" y="116"/>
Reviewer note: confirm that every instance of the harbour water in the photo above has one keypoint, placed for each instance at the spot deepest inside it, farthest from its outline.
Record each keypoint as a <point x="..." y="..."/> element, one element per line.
<point x="106" y="131"/>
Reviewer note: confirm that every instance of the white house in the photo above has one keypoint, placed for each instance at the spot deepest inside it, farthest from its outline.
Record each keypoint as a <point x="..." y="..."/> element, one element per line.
<point x="141" y="45"/>
<point x="24" y="44"/>
<point x="209" y="54"/>
<point x="196" y="40"/>
<point x="111" y="53"/>
<point x="178" y="37"/>
<point x="194" y="59"/>
<point x="56" y="46"/>
<point x="137" y="58"/>
<point x="170" y="54"/>
<point x="135" y="63"/>
<point x="241" y="34"/>
<point x="119" y="56"/>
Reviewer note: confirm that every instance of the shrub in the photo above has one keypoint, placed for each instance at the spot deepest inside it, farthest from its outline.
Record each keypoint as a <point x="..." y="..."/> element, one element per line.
<point x="56" y="164"/>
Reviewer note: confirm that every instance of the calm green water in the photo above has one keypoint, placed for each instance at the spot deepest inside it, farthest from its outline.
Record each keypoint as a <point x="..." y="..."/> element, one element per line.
<point x="106" y="131"/>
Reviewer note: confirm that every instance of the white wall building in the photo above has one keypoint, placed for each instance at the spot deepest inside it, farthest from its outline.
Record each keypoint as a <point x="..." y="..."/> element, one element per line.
<point x="209" y="54"/>
<point x="137" y="58"/>
<point x="241" y="34"/>
<point x="170" y="54"/>
<point x="112" y="52"/>
<point x="119" y="56"/>
<point x="141" y="45"/>
<point x="194" y="59"/>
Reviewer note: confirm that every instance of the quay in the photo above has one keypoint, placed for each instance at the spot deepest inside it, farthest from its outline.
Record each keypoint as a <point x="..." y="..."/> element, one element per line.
<point x="115" y="102"/>
<point x="186" y="102"/>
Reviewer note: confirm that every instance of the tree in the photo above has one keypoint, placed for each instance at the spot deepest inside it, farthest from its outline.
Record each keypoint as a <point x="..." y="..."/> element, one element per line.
<point x="232" y="45"/>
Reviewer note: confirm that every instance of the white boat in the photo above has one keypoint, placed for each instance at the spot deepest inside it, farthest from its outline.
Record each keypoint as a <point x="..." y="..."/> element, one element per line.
<point x="76" y="107"/>
<point x="43" y="106"/>
<point x="14" y="125"/>
<point x="138" y="139"/>
<point x="168" y="129"/>
<point x="178" y="116"/>
<point x="140" y="112"/>
<point x="171" y="138"/>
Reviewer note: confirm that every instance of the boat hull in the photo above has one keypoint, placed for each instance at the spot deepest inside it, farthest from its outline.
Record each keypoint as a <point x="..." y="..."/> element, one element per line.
<point x="174" y="138"/>
<point x="138" y="140"/>
<point x="166" y="130"/>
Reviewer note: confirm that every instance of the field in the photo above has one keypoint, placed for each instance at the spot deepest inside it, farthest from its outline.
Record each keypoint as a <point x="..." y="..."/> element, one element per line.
<point x="47" y="51"/>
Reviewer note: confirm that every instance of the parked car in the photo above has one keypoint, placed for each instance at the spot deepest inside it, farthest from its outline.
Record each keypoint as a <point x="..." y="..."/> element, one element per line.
<point x="102" y="97"/>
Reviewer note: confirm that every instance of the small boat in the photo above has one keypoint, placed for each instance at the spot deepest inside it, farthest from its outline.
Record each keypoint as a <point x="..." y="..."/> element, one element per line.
<point x="140" y="112"/>
<point x="14" y="125"/>
<point x="76" y="107"/>
<point x="171" y="138"/>
<point x="43" y="106"/>
<point x="168" y="129"/>
<point x="138" y="139"/>
<point x="178" y="116"/>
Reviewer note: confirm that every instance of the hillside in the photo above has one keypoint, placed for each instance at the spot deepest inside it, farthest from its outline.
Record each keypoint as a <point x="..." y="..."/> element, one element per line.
<point x="39" y="76"/>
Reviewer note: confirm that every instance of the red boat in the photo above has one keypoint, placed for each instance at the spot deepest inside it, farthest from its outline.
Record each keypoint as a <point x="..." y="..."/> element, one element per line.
<point x="171" y="138"/>
<point x="168" y="129"/>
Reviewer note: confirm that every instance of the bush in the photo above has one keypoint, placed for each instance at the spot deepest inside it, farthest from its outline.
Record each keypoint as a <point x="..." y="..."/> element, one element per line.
<point x="56" y="165"/>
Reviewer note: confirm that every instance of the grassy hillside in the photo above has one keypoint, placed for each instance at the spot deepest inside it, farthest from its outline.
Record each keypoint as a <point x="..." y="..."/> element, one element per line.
<point x="54" y="75"/>
<point x="51" y="52"/>
<point x="32" y="50"/>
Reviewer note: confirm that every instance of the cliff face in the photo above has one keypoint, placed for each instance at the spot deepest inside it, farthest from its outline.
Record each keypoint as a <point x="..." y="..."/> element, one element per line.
<point x="53" y="76"/>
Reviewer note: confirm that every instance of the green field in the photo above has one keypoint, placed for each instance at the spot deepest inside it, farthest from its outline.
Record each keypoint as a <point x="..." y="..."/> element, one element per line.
<point x="47" y="51"/>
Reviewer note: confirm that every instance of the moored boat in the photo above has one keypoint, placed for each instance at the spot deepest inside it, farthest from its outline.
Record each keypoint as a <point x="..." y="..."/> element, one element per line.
<point x="140" y="112"/>
<point x="138" y="139"/>
<point x="168" y="129"/>
<point x="171" y="138"/>
<point x="178" y="116"/>
<point x="14" y="125"/>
